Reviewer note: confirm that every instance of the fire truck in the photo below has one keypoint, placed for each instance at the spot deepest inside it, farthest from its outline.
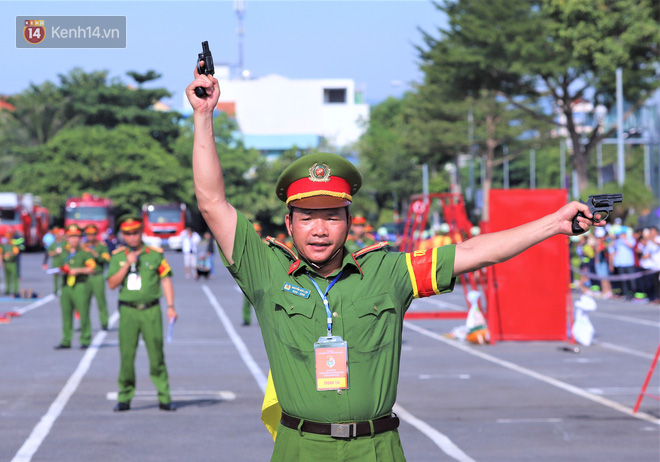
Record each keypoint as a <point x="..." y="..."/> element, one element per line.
<point x="88" y="210"/>
<point x="24" y="216"/>
<point x="163" y="224"/>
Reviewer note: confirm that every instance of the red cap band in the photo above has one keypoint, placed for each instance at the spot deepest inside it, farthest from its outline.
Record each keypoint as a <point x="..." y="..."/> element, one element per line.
<point x="304" y="188"/>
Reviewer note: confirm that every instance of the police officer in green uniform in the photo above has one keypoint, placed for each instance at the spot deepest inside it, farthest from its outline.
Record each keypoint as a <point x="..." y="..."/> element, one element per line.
<point x="143" y="274"/>
<point x="332" y="321"/>
<point x="77" y="266"/>
<point x="100" y="253"/>
<point x="10" y="253"/>
<point x="55" y="252"/>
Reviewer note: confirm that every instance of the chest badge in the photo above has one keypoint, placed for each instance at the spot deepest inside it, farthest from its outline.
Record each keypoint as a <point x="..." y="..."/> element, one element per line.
<point x="295" y="290"/>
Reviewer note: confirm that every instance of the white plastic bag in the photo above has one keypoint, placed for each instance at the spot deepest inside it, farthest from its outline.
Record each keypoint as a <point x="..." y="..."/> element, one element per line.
<point x="583" y="330"/>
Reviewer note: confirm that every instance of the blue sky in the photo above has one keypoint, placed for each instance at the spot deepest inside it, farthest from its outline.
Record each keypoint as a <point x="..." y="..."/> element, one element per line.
<point x="371" y="42"/>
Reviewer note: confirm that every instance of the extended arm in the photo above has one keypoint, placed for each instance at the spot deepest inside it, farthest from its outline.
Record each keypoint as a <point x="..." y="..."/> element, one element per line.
<point x="219" y="214"/>
<point x="488" y="249"/>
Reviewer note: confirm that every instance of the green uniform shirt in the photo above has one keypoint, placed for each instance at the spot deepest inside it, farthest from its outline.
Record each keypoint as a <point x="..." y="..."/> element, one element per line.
<point x="354" y="245"/>
<point x="151" y="267"/>
<point x="57" y="259"/>
<point x="76" y="259"/>
<point x="370" y="300"/>
<point x="9" y="252"/>
<point x="102" y="256"/>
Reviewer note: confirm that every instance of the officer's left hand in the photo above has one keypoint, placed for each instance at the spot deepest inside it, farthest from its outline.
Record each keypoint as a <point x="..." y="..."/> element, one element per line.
<point x="567" y="213"/>
<point x="171" y="313"/>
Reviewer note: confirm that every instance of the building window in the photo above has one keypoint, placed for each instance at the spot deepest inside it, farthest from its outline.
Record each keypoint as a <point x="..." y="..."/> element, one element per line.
<point x="334" y="95"/>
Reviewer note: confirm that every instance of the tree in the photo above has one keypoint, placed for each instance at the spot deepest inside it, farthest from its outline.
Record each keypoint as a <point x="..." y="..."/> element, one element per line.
<point x="457" y="81"/>
<point x="566" y="51"/>
<point x="125" y="164"/>
<point x="390" y="172"/>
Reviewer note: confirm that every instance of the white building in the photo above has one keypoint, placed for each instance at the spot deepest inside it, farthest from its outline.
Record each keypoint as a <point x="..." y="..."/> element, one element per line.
<point x="275" y="113"/>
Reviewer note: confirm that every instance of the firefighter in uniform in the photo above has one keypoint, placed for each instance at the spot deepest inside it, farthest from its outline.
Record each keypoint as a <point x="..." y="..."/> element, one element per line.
<point x="332" y="321"/>
<point x="143" y="274"/>
<point x="100" y="252"/>
<point x="77" y="266"/>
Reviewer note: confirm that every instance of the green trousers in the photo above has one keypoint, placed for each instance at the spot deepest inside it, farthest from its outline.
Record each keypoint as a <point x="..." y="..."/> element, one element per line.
<point x="247" y="311"/>
<point x="292" y="445"/>
<point x="11" y="277"/>
<point x="74" y="298"/>
<point x="98" y="290"/>
<point x="149" y="323"/>
<point x="57" y="283"/>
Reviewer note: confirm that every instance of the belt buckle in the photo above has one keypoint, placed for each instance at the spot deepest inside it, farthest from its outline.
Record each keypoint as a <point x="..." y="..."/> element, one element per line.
<point x="141" y="306"/>
<point x="343" y="430"/>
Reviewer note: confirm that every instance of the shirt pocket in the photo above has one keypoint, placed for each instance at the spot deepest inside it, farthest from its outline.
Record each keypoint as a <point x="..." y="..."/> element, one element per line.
<point x="376" y="325"/>
<point x="294" y="322"/>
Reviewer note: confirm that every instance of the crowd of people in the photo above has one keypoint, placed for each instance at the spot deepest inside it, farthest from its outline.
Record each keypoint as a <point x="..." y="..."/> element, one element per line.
<point x="620" y="262"/>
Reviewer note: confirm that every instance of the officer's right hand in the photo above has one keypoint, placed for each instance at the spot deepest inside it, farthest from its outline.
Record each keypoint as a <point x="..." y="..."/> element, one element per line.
<point x="132" y="257"/>
<point x="212" y="87"/>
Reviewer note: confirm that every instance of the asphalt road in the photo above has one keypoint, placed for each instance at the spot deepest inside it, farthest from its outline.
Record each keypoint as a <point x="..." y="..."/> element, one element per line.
<point x="512" y="401"/>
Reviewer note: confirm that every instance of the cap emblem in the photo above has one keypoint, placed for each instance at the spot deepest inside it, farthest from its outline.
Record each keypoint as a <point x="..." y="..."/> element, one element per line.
<point x="319" y="173"/>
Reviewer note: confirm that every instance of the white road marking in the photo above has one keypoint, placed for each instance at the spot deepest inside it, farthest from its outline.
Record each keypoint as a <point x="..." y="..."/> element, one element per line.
<point x="444" y="376"/>
<point x="36" y="304"/>
<point x="41" y="430"/>
<point x="237" y="340"/>
<point x="630" y="351"/>
<point x="643" y="322"/>
<point x="181" y="395"/>
<point x="548" y="420"/>
<point x="543" y="378"/>
<point x="444" y="443"/>
<point x="441" y="440"/>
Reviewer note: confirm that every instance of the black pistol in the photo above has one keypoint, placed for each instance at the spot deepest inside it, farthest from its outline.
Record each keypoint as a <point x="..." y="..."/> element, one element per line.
<point x="601" y="204"/>
<point x="206" y="68"/>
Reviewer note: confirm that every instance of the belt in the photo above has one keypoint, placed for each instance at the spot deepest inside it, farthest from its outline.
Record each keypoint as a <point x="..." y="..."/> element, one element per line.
<point x="342" y="430"/>
<point x="140" y="306"/>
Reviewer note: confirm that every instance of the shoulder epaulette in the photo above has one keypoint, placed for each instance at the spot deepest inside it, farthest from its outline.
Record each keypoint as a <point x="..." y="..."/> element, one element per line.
<point x="118" y="249"/>
<point x="275" y="243"/>
<point x="371" y="248"/>
<point x="156" y="249"/>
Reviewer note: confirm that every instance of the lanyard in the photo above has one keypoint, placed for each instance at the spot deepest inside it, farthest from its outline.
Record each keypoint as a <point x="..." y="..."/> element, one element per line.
<point x="324" y="297"/>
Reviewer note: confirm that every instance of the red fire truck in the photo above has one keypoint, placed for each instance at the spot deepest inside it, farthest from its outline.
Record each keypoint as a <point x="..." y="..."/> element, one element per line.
<point x="88" y="210"/>
<point x="24" y="216"/>
<point x="163" y="224"/>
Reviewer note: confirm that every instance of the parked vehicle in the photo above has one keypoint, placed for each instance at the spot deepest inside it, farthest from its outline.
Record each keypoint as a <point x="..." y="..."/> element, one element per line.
<point x="163" y="224"/>
<point x="24" y="216"/>
<point x="88" y="210"/>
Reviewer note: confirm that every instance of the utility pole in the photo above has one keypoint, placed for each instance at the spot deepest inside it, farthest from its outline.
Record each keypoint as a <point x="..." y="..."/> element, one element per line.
<point x="532" y="169"/>
<point x="619" y="127"/>
<point x="239" y="8"/>
<point x="470" y="190"/>
<point x="505" y="150"/>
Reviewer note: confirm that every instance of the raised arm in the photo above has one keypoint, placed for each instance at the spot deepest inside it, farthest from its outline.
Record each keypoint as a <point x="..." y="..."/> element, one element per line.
<point x="219" y="214"/>
<point x="488" y="249"/>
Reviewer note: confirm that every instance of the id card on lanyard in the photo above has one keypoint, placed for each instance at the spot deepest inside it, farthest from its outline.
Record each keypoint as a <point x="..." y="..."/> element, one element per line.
<point x="331" y="356"/>
<point x="331" y="351"/>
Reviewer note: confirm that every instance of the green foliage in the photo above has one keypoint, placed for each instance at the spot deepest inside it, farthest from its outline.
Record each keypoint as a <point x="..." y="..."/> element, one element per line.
<point x="390" y="173"/>
<point x="124" y="163"/>
<point x="563" y="51"/>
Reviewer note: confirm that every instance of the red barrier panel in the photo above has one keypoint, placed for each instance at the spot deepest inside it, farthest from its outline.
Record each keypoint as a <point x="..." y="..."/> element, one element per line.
<point x="527" y="295"/>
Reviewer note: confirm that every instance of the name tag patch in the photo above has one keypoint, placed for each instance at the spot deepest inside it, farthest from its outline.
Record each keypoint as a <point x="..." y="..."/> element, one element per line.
<point x="295" y="290"/>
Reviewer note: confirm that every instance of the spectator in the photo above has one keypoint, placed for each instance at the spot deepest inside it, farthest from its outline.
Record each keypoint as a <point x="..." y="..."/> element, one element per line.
<point x="623" y="261"/>
<point x="189" y="241"/>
